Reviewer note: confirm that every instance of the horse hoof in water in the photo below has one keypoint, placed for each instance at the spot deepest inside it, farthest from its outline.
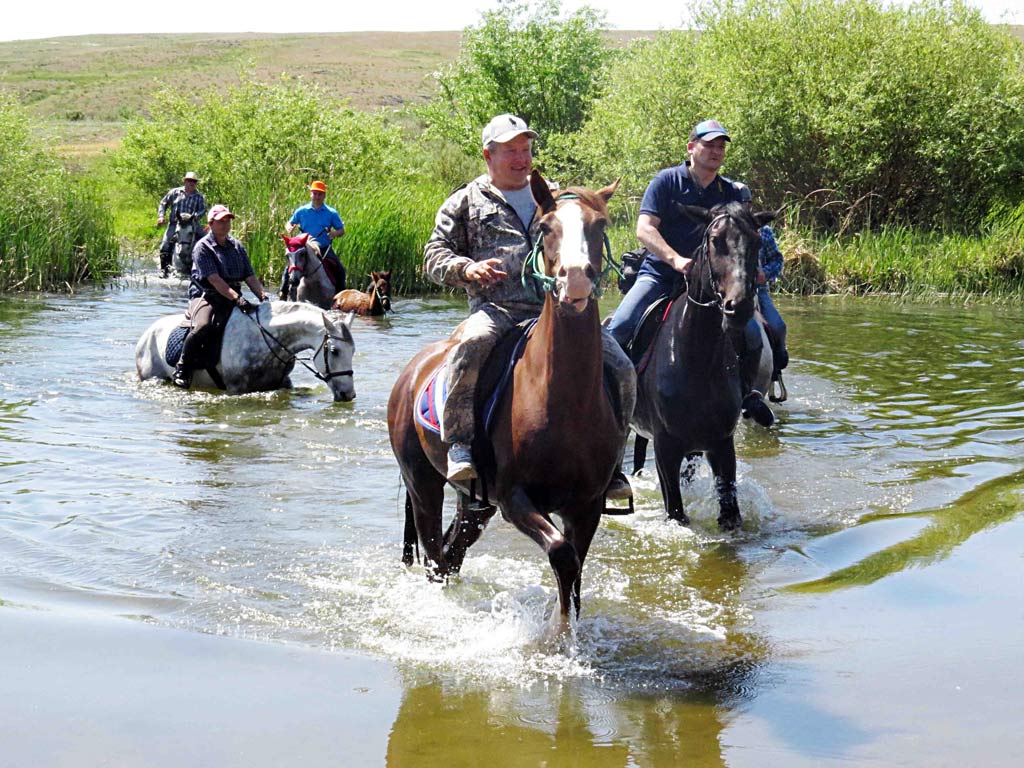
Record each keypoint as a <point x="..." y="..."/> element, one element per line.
<point x="730" y="522"/>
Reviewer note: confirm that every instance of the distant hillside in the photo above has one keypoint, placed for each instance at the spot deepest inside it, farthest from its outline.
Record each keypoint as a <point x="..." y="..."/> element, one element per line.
<point x="85" y="87"/>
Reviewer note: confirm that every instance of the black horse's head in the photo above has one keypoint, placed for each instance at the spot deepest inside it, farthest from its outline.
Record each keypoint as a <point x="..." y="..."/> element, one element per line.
<point x="725" y="264"/>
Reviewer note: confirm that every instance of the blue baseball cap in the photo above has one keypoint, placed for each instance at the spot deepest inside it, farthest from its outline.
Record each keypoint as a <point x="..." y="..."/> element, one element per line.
<point x="708" y="130"/>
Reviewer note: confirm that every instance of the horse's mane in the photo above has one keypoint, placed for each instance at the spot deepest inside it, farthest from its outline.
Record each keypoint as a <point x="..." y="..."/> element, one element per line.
<point x="589" y="196"/>
<point x="313" y="246"/>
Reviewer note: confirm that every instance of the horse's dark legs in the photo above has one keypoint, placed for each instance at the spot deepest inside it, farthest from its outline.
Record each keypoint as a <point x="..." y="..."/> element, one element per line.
<point x="424" y="499"/>
<point x="579" y="528"/>
<point x="668" y="457"/>
<point x="520" y="511"/>
<point x="409" y="534"/>
<point x="639" y="453"/>
<point x="467" y="526"/>
<point x="723" y="465"/>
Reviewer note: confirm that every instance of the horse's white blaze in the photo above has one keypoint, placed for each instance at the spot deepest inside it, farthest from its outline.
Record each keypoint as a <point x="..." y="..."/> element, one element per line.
<point x="574" y="256"/>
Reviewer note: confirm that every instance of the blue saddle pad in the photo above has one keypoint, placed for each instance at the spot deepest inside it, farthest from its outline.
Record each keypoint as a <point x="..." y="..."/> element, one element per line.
<point x="430" y="400"/>
<point x="175" y="343"/>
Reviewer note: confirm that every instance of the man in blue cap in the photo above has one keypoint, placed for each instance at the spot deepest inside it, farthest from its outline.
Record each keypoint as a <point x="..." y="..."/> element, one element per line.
<point x="670" y="237"/>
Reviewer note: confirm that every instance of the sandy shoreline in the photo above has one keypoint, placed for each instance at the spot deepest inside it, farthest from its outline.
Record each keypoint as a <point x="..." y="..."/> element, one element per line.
<point x="86" y="690"/>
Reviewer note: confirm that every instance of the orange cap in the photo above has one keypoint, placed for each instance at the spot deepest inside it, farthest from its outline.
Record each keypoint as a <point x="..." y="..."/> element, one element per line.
<point x="318" y="186"/>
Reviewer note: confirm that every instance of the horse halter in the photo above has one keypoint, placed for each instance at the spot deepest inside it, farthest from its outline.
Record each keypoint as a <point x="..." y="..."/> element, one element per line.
<point x="533" y="267"/>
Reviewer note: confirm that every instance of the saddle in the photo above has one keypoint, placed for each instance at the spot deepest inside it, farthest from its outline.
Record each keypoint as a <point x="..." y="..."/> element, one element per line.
<point x="209" y="354"/>
<point x="494" y="379"/>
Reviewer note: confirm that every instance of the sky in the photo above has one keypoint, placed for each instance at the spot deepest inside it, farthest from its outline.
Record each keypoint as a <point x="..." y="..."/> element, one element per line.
<point x="59" y="18"/>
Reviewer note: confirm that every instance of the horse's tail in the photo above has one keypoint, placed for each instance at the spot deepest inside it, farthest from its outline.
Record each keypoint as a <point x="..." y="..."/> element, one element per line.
<point x="410" y="541"/>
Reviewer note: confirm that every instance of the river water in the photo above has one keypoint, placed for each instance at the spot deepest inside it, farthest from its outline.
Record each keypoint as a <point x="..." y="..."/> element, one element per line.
<point x="869" y="612"/>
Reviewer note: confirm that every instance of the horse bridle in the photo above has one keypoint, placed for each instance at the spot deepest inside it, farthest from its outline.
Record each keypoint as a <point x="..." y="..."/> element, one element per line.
<point x="704" y="257"/>
<point x="327" y="341"/>
<point x="533" y="267"/>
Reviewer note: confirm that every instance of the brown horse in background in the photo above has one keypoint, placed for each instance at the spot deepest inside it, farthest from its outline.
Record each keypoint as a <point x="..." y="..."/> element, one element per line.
<point x="556" y="437"/>
<point x="375" y="301"/>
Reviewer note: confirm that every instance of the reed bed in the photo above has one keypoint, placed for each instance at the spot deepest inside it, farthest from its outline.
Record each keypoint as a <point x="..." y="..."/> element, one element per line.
<point x="55" y="230"/>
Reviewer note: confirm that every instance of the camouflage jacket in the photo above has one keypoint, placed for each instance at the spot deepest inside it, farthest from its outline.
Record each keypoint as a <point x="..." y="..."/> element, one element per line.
<point x="476" y="223"/>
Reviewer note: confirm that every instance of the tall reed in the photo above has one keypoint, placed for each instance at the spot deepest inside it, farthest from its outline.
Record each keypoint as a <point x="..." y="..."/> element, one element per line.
<point x="55" y="231"/>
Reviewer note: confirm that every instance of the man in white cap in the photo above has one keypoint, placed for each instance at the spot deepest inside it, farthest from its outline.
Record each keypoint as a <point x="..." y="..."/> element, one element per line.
<point x="178" y="200"/>
<point x="483" y="234"/>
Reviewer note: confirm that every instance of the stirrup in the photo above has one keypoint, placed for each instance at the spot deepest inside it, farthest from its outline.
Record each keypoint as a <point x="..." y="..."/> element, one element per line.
<point x="782" y="393"/>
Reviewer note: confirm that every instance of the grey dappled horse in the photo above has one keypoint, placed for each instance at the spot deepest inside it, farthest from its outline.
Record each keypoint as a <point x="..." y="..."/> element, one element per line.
<point x="308" y="279"/>
<point x="260" y="350"/>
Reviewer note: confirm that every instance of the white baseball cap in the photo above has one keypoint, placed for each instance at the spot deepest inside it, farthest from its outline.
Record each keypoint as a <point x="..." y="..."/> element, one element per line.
<point x="505" y="128"/>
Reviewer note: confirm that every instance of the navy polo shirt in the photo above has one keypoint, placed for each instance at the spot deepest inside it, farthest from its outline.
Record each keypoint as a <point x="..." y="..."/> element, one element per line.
<point x="674" y="185"/>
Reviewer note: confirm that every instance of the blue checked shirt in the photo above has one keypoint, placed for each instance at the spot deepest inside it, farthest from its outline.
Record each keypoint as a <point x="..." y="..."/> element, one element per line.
<point x="178" y="202"/>
<point x="770" y="256"/>
<point x="230" y="261"/>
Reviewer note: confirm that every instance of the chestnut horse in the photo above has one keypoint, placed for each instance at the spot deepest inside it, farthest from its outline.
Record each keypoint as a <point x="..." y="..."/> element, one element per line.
<point x="375" y="301"/>
<point x="688" y="386"/>
<point x="555" y="438"/>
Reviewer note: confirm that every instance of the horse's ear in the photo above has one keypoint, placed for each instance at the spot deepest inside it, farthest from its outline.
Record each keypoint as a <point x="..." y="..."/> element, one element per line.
<point x="541" y="193"/>
<point x="605" y="193"/>
<point x="763" y="217"/>
<point x="696" y="212"/>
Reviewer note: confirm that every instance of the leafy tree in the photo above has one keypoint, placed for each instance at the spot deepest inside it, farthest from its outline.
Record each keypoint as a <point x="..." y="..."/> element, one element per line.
<point x="874" y="114"/>
<point x="525" y="59"/>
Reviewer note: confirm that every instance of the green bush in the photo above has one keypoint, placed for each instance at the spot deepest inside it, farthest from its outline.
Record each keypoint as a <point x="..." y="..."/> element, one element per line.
<point x="526" y="60"/>
<point x="867" y="113"/>
<point x="54" y="229"/>
<point x="256" y="147"/>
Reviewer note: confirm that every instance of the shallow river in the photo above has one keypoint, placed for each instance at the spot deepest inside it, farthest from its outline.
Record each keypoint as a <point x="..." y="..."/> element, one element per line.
<point x="869" y="613"/>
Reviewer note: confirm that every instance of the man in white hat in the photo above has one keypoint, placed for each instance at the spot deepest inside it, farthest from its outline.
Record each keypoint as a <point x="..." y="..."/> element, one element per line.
<point x="178" y="200"/>
<point x="483" y="234"/>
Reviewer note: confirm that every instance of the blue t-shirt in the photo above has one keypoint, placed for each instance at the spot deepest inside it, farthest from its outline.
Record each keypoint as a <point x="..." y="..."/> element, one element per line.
<point x="314" y="221"/>
<point x="674" y="185"/>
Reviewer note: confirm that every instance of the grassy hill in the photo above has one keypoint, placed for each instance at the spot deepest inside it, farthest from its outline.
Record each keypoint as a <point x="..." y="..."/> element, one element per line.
<point x="84" y="88"/>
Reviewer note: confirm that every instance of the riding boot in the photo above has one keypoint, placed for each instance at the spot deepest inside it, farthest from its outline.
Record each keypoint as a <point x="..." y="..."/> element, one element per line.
<point x="165" y="263"/>
<point x="182" y="376"/>
<point x="754" y="407"/>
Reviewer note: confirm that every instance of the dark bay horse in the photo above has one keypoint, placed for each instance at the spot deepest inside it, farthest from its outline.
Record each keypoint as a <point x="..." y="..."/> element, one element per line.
<point x="688" y="385"/>
<point x="555" y="438"/>
<point x="375" y="301"/>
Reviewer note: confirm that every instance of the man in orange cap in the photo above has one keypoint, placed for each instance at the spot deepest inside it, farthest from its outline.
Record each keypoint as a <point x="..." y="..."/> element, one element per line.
<point x="323" y="224"/>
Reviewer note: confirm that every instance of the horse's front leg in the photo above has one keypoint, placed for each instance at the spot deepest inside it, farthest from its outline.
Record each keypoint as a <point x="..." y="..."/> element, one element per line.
<point x="723" y="464"/>
<point x="668" y="457"/>
<point x="521" y="512"/>
<point x="466" y="527"/>
<point x="579" y="526"/>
